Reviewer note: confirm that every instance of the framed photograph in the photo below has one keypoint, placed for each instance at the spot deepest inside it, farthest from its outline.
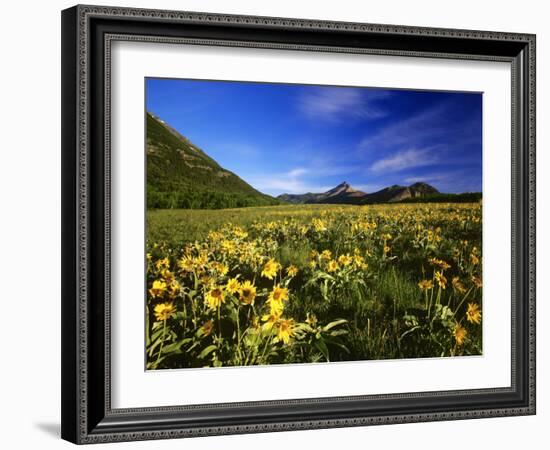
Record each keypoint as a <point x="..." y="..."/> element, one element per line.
<point x="280" y="224"/>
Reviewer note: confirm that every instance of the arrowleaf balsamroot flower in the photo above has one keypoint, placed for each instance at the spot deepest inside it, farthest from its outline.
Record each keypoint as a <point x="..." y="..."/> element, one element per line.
<point x="162" y="264"/>
<point x="207" y="328"/>
<point x="285" y="330"/>
<point x="186" y="264"/>
<point x="477" y="281"/>
<point x="458" y="286"/>
<point x="439" y="262"/>
<point x="292" y="271"/>
<point x="345" y="260"/>
<point x="277" y="297"/>
<point x="215" y="297"/>
<point x="221" y="268"/>
<point x="159" y="287"/>
<point x="440" y="278"/>
<point x="232" y="286"/>
<point x="270" y="269"/>
<point x="473" y="314"/>
<point x="164" y="311"/>
<point x="247" y="293"/>
<point x="425" y="284"/>
<point x="460" y="334"/>
<point x="332" y="266"/>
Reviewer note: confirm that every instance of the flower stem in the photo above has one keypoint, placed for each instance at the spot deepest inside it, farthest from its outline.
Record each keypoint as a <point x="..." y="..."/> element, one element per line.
<point x="161" y="342"/>
<point x="239" y="335"/>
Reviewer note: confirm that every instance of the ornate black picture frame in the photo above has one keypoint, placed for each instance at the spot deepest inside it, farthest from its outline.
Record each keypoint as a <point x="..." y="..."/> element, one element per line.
<point x="87" y="34"/>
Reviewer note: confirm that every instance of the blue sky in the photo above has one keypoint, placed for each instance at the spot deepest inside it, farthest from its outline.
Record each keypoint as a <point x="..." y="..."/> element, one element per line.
<point x="284" y="138"/>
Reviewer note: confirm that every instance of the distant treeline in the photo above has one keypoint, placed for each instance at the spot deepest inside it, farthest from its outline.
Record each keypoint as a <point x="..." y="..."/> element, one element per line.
<point x="204" y="199"/>
<point x="209" y="199"/>
<point x="468" y="197"/>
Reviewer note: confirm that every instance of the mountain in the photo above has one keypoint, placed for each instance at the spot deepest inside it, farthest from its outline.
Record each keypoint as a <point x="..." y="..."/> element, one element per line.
<point x="181" y="175"/>
<point x="397" y="193"/>
<point x="344" y="193"/>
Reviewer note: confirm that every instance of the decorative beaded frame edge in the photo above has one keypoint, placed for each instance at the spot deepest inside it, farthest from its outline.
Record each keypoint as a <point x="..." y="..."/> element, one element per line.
<point x="77" y="425"/>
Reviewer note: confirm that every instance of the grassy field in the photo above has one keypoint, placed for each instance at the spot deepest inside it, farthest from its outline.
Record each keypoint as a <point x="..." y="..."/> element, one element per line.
<point x="313" y="283"/>
<point x="179" y="226"/>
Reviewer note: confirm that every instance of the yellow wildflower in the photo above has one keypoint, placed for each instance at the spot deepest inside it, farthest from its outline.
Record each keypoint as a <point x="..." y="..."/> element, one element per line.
<point x="460" y="334"/>
<point x="240" y="233"/>
<point x="473" y="314"/>
<point x="285" y="330"/>
<point x="162" y="264"/>
<point x="425" y="284"/>
<point x="319" y="225"/>
<point x="477" y="281"/>
<point x="441" y="280"/>
<point x="167" y="275"/>
<point x="332" y="266"/>
<point x="164" y="311"/>
<point x="207" y="328"/>
<point x="229" y="247"/>
<point x="232" y="285"/>
<point x="277" y="296"/>
<point x="271" y="319"/>
<point x="201" y="260"/>
<point x="270" y="269"/>
<point x="458" y="286"/>
<point x="345" y="260"/>
<point x="186" y="263"/>
<point x="174" y="287"/>
<point x="439" y="262"/>
<point x="311" y="319"/>
<point x="215" y="297"/>
<point x="158" y="289"/>
<point x="214" y="236"/>
<point x="292" y="270"/>
<point x="247" y="292"/>
<point x="219" y="267"/>
<point x="359" y="262"/>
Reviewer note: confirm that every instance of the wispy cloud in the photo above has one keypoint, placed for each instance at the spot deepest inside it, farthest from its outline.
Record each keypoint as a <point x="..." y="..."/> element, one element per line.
<point x="430" y="178"/>
<point x="335" y="104"/>
<point x="451" y="181"/>
<point x="407" y="159"/>
<point x="295" y="173"/>
<point x="294" y="181"/>
<point x="368" y="188"/>
<point x="431" y="125"/>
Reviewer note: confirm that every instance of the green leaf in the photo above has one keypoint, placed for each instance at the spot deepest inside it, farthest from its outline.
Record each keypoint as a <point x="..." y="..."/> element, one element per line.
<point x="154" y="364"/>
<point x="176" y="346"/>
<point x="151" y="348"/>
<point x="337" y="344"/>
<point x="338" y="332"/>
<point x="409" y="331"/>
<point x="156" y="335"/>
<point x="322" y="347"/>
<point x="207" y="351"/>
<point x="334" y="324"/>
